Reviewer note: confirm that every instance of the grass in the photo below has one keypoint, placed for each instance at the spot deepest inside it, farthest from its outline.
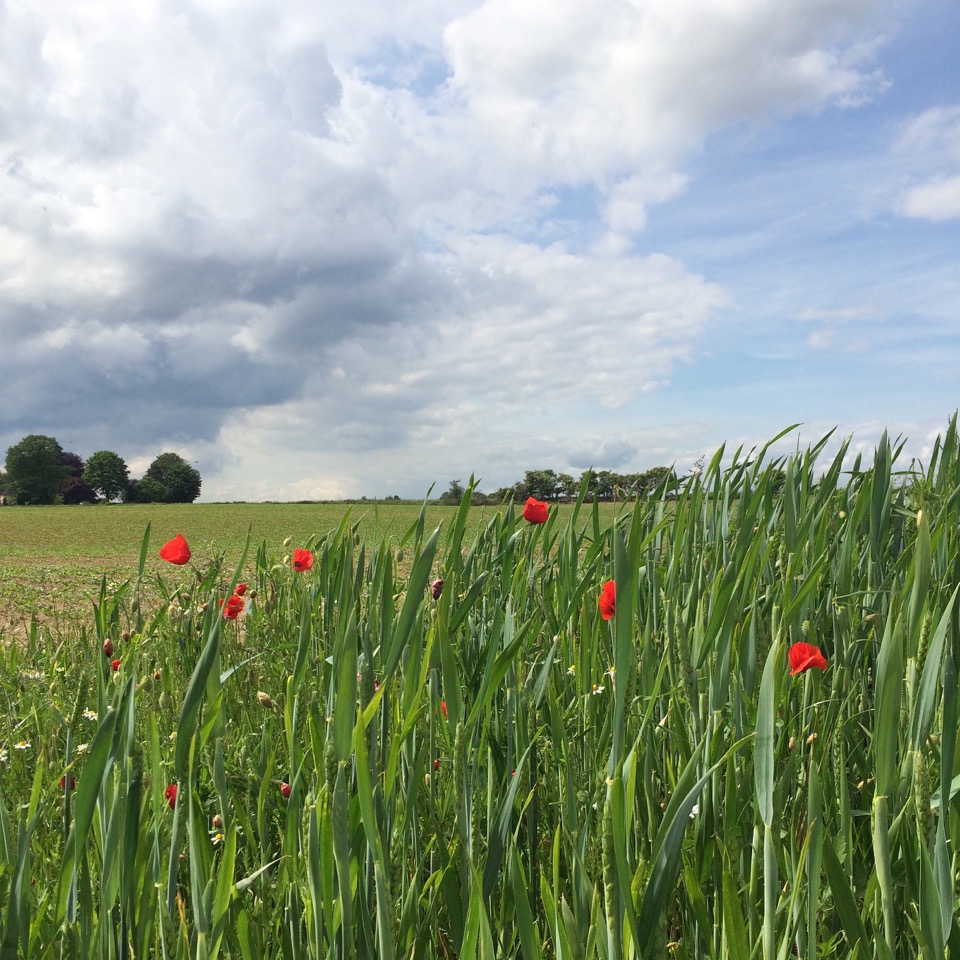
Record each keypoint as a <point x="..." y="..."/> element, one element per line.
<point x="364" y="770"/>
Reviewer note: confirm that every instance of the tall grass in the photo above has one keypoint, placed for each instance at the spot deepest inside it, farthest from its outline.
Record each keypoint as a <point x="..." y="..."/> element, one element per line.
<point x="365" y="771"/>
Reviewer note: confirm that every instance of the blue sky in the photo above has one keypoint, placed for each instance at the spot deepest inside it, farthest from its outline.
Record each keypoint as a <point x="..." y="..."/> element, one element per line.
<point x="331" y="250"/>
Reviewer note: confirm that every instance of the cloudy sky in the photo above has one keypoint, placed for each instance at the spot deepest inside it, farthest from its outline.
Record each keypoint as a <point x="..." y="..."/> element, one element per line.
<point x="329" y="249"/>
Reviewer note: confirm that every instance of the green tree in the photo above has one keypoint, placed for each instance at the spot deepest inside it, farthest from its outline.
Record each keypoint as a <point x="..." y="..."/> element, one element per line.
<point x="107" y="474"/>
<point x="454" y="493"/>
<point x="34" y="469"/>
<point x="180" y="480"/>
<point x="542" y="484"/>
<point x="145" y="490"/>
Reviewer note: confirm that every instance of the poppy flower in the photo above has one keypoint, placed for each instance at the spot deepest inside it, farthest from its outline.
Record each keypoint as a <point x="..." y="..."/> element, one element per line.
<point x="63" y="783"/>
<point x="302" y="560"/>
<point x="240" y="589"/>
<point x="108" y="647"/>
<point x="176" y="551"/>
<point x="171" y="794"/>
<point x="286" y="790"/>
<point x="535" y="511"/>
<point x="803" y="656"/>
<point x="232" y="607"/>
<point x="114" y="665"/>
<point x="608" y="600"/>
<point x="443" y="708"/>
<point x="436" y="588"/>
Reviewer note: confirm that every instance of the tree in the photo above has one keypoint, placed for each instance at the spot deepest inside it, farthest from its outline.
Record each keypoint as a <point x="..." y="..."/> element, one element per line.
<point x="107" y="473"/>
<point x="145" y="490"/>
<point x="542" y="484"/>
<point x="454" y="493"/>
<point x="34" y="469"/>
<point x="73" y="491"/>
<point x="179" y="479"/>
<point x="73" y="463"/>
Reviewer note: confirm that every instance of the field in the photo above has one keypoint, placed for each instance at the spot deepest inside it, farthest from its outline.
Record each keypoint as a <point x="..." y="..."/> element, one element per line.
<point x="52" y="559"/>
<point x="719" y="725"/>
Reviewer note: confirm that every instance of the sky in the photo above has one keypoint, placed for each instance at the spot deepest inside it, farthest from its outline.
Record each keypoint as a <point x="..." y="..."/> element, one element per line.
<point x="339" y="249"/>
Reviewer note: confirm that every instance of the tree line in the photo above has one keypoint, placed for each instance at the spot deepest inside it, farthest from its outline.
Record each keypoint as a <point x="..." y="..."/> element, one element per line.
<point x="39" y="471"/>
<point x="603" y="485"/>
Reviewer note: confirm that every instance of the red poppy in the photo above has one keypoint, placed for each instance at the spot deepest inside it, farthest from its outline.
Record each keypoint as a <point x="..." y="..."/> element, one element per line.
<point x="286" y="790"/>
<point x="608" y="600"/>
<point x="803" y="656"/>
<point x="240" y="589"/>
<point x="176" y="551"/>
<point x="114" y="665"/>
<point x="443" y="708"/>
<point x="63" y="783"/>
<point x="436" y="588"/>
<point x="108" y="647"/>
<point x="171" y="794"/>
<point x="232" y="607"/>
<point x="535" y="511"/>
<point x="302" y="560"/>
<point x="436" y="764"/>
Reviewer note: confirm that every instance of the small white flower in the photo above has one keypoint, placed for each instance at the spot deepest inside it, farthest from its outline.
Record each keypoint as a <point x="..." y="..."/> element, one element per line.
<point x="81" y="748"/>
<point x="3" y="755"/>
<point x="32" y="674"/>
<point x="572" y="669"/>
<point x="22" y="745"/>
<point x="694" y="810"/>
<point x="89" y="714"/>
<point x="598" y="688"/>
<point x="217" y="839"/>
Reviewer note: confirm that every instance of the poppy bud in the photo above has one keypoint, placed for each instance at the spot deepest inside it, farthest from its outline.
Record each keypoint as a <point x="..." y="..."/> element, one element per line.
<point x="265" y="700"/>
<point x="108" y="647"/>
<point x="115" y="665"/>
<point x="217" y="821"/>
<point x="286" y="790"/>
<point x="437" y="588"/>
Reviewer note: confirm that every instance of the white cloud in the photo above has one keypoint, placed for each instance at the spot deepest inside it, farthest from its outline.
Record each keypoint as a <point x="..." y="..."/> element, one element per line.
<point x="937" y="199"/>
<point x="930" y="144"/>
<point x="583" y="90"/>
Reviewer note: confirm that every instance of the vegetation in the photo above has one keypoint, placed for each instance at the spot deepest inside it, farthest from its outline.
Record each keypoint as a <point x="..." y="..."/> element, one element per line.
<point x="39" y="471"/>
<point x="107" y="474"/>
<point x="35" y="469"/>
<point x="487" y="749"/>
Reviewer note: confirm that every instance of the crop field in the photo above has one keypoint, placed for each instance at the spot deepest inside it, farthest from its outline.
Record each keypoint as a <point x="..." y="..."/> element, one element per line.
<point x="717" y="724"/>
<point x="52" y="559"/>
